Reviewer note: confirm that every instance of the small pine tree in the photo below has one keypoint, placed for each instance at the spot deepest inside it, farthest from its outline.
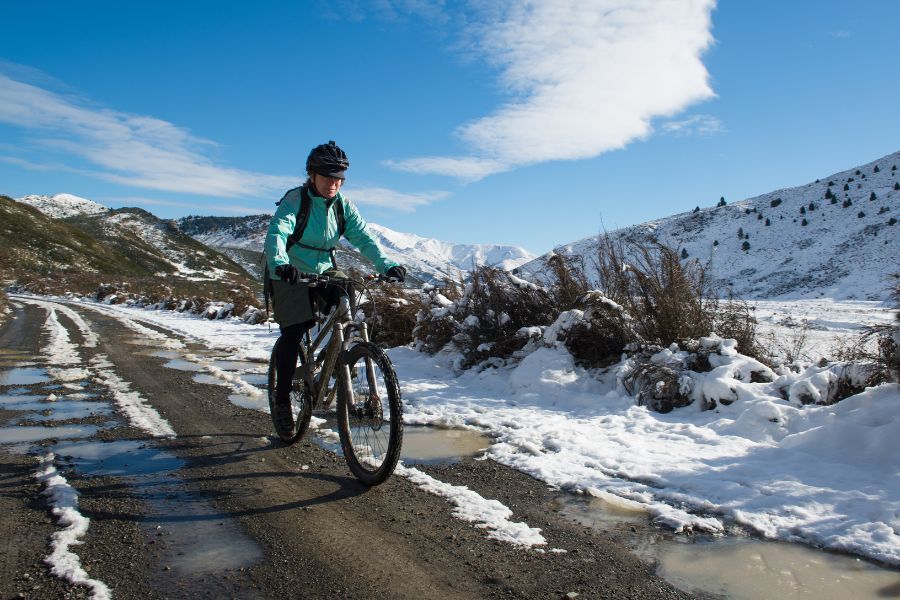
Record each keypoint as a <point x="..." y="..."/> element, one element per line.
<point x="858" y="171"/>
<point x="804" y="222"/>
<point x="740" y="233"/>
<point x="872" y="197"/>
<point x="860" y="215"/>
<point x="722" y="201"/>
<point x="684" y="253"/>
<point x="897" y="185"/>
<point x="775" y="202"/>
<point x="828" y="194"/>
<point x="847" y="202"/>
<point x="745" y="246"/>
<point x="892" y="221"/>
<point x="696" y="209"/>
<point x="846" y="187"/>
<point x="830" y="183"/>
<point x="812" y="206"/>
<point x="849" y="180"/>
<point x="876" y="169"/>
<point x="715" y="242"/>
<point x="802" y="210"/>
<point x="768" y="222"/>
<point x="759" y="217"/>
<point x="893" y="167"/>
<point x="833" y="200"/>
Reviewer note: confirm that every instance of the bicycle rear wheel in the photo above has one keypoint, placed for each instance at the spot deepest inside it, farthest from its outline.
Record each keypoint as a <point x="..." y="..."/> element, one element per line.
<point x="370" y="422"/>
<point x="291" y="419"/>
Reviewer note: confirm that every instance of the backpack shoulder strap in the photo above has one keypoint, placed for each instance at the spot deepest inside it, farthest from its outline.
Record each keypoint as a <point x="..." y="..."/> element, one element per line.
<point x="339" y="215"/>
<point x="302" y="217"/>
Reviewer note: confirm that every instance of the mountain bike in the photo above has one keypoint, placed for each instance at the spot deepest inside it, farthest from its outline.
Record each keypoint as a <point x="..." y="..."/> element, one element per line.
<point x="341" y="361"/>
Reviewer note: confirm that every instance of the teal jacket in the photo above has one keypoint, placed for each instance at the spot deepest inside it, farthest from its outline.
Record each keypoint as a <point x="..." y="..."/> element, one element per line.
<point x="321" y="231"/>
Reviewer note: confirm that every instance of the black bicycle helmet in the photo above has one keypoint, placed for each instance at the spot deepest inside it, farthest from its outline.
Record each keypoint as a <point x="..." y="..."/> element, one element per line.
<point x="328" y="160"/>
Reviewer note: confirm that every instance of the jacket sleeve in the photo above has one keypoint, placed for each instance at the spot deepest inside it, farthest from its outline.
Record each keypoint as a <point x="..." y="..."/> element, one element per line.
<point x="357" y="233"/>
<point x="280" y="227"/>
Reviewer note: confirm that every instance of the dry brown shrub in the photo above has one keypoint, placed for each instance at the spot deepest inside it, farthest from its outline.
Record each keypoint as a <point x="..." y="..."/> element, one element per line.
<point x="435" y="325"/>
<point x="483" y="322"/>
<point x="603" y="333"/>
<point x="670" y="299"/>
<point x="878" y="345"/>
<point x="391" y="314"/>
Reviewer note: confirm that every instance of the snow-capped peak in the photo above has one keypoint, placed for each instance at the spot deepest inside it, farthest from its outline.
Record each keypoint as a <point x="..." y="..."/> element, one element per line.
<point x="408" y="247"/>
<point x="60" y="206"/>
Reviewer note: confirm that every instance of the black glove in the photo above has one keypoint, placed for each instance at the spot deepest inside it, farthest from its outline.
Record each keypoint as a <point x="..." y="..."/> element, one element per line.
<point x="287" y="273"/>
<point x="397" y="272"/>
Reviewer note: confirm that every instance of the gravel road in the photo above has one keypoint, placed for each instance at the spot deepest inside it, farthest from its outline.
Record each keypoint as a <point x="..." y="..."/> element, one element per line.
<point x="224" y="510"/>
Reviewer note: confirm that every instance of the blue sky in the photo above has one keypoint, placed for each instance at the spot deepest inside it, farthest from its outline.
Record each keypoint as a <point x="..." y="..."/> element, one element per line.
<point x="476" y="122"/>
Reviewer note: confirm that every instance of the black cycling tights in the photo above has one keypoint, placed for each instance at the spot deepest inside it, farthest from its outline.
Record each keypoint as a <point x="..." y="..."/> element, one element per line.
<point x="286" y="356"/>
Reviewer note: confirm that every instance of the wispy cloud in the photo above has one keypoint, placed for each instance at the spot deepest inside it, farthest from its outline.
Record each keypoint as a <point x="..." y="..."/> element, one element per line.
<point x="694" y="125"/>
<point x="586" y="77"/>
<point x="130" y="149"/>
<point x="386" y="198"/>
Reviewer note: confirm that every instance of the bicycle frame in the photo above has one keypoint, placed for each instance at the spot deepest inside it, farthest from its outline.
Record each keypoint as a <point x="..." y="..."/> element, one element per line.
<point x="337" y="329"/>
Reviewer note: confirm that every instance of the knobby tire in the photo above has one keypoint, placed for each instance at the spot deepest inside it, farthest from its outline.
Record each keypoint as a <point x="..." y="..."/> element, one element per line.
<point x="370" y="422"/>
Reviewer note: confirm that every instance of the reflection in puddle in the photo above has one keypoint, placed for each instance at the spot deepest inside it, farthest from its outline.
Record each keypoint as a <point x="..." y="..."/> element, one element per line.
<point x="421" y="444"/>
<point x="734" y="567"/>
<point x="260" y="403"/>
<point x="123" y="457"/>
<point x="257" y="379"/>
<point x="749" y="569"/>
<point x="23" y="376"/>
<point x="17" y="435"/>
<point x="63" y="410"/>
<point x="13" y="402"/>
<point x="183" y="365"/>
<point x="433" y="445"/>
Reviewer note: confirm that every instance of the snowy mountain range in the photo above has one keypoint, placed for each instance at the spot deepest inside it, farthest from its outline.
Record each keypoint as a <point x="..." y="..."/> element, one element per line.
<point x="837" y="237"/>
<point x="428" y="259"/>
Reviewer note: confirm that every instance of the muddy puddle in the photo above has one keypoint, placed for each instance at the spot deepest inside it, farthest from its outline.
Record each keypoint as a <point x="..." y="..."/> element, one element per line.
<point x="421" y="444"/>
<point x="736" y="566"/>
<point x="429" y="445"/>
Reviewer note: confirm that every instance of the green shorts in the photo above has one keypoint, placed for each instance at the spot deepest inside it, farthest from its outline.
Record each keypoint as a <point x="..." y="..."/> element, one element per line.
<point x="292" y="304"/>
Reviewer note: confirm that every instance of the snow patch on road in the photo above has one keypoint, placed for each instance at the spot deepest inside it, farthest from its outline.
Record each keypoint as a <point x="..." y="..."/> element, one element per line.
<point x="140" y="414"/>
<point x="64" y="563"/>
<point x="474" y="508"/>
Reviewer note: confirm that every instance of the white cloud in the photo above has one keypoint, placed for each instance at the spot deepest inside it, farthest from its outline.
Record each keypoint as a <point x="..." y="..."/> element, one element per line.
<point x="694" y="125"/>
<point x="386" y="198"/>
<point x="586" y="77"/>
<point x="130" y="149"/>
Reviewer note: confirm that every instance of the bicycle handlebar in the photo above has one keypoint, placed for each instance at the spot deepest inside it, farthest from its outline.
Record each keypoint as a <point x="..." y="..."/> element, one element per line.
<point x="314" y="279"/>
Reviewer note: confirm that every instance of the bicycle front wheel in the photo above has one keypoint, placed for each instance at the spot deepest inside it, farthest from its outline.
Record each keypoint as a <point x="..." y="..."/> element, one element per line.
<point x="370" y="420"/>
<point x="291" y="418"/>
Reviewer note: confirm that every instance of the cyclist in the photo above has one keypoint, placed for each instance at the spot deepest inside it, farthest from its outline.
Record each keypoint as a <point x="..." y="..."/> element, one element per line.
<point x="290" y="253"/>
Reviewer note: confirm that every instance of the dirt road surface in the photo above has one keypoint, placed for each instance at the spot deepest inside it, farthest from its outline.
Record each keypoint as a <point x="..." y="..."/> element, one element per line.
<point x="224" y="510"/>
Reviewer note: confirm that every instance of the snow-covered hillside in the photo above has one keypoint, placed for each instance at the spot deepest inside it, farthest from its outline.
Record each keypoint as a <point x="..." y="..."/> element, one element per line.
<point x="836" y="237"/>
<point x="61" y="206"/>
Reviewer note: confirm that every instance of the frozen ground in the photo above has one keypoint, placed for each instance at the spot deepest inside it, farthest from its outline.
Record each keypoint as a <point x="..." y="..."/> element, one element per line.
<point x="822" y="475"/>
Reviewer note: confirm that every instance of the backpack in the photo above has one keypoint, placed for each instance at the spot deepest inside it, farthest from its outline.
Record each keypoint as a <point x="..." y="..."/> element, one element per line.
<point x="303" y="219"/>
<point x="300" y="226"/>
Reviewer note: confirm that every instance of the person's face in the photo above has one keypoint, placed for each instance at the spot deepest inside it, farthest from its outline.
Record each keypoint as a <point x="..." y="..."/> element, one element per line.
<point x="327" y="187"/>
